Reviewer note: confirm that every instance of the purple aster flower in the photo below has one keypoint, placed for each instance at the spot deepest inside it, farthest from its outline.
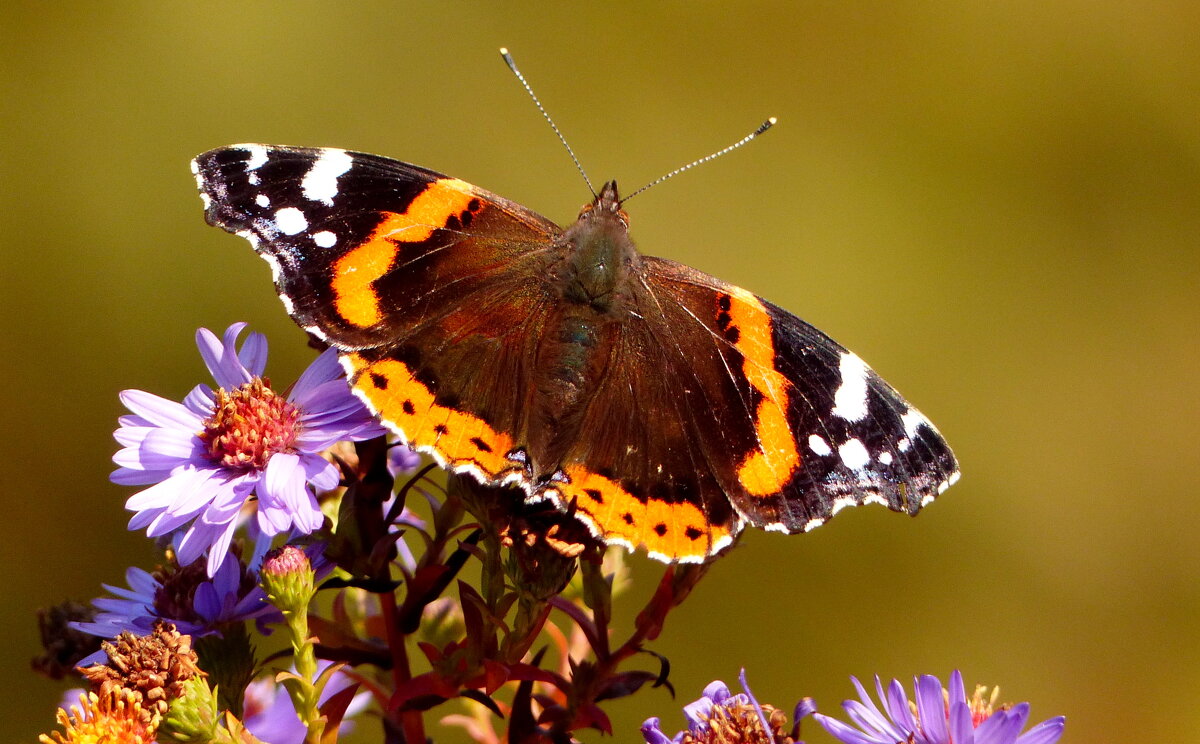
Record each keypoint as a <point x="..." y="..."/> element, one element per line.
<point x="402" y="460"/>
<point x="270" y="715"/>
<point x="204" y="459"/>
<point x="938" y="717"/>
<point x="186" y="596"/>
<point x="719" y="716"/>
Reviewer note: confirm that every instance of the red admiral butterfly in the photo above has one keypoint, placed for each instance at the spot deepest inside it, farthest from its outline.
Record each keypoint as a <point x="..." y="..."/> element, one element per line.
<point x="669" y="407"/>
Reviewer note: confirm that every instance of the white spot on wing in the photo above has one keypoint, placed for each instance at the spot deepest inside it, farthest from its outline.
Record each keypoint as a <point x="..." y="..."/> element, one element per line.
<point x="841" y="503"/>
<point x="885" y="457"/>
<point x="258" y="156"/>
<point x="819" y="445"/>
<point x="205" y="199"/>
<point x="854" y="455"/>
<point x="914" y="419"/>
<point x="321" y="181"/>
<point x="262" y="200"/>
<point x="290" y="221"/>
<point x="850" y="400"/>
<point x="812" y="524"/>
<point x="325" y="239"/>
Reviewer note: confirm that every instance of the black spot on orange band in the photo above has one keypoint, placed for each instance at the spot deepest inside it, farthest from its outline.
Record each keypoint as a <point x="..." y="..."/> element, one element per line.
<point x="407" y="404"/>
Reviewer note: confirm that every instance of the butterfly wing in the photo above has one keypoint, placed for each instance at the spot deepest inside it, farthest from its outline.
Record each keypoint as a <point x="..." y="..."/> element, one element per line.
<point x="364" y="248"/>
<point x="817" y="430"/>
<point x="420" y="280"/>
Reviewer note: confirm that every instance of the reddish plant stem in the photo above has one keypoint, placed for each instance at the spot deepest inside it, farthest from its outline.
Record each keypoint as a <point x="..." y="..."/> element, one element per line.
<point x="410" y="721"/>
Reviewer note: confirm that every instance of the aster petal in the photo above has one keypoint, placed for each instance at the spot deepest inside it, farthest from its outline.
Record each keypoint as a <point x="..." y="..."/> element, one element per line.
<point x="119" y="605"/>
<point x="220" y="548"/>
<point x="221" y="357"/>
<point x="992" y="728"/>
<point x="130" y="419"/>
<point x="324" y="475"/>
<point x="200" y="401"/>
<point x="961" y="724"/>
<point x="1046" y="732"/>
<point x="163" y="495"/>
<point x="1013" y="722"/>
<point x="132" y="436"/>
<point x="931" y="709"/>
<point x="253" y="354"/>
<point x="140" y="581"/>
<point x="288" y="501"/>
<point x="1021" y="712"/>
<point x="652" y="733"/>
<point x="215" y="523"/>
<point x="160" y="411"/>
<point x="136" y="477"/>
<point x="845" y="733"/>
<point x="323" y="369"/>
<point x="697" y="711"/>
<point x="179" y="444"/>
<point x="208" y="602"/>
<point x="896" y="704"/>
<point x="328" y="396"/>
<point x="141" y="519"/>
<point x="717" y="691"/>
<point x="142" y="458"/>
<point x="957" y="690"/>
<point x="869" y="711"/>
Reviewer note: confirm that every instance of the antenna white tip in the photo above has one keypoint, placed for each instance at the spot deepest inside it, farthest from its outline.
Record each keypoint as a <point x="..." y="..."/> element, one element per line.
<point x="504" y="51"/>
<point x="773" y="120"/>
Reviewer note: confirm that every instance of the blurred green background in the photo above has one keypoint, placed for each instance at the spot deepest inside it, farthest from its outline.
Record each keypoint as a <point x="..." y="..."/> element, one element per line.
<point x="996" y="204"/>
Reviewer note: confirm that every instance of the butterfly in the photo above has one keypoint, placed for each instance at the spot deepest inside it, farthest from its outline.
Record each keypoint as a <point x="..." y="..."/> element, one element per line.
<point x="665" y="408"/>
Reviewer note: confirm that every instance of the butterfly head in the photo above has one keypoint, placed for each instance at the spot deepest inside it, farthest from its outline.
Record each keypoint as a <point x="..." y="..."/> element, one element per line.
<point x="605" y="207"/>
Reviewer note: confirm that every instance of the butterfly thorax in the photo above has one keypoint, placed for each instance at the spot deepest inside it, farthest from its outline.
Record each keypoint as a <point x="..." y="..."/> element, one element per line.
<point x="600" y="257"/>
<point x="594" y="275"/>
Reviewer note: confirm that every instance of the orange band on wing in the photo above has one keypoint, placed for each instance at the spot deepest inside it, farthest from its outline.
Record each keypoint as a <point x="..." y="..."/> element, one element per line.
<point x="355" y="274"/>
<point x="768" y="469"/>
<point x="460" y="439"/>
<point x="677" y="531"/>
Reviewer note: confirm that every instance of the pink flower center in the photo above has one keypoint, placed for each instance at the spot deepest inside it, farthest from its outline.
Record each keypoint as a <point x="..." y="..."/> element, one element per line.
<point x="249" y="424"/>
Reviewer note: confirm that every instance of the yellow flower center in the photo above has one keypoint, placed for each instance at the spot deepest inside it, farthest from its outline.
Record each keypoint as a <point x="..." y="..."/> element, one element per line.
<point x="739" y="723"/>
<point x="249" y="424"/>
<point x="116" y="718"/>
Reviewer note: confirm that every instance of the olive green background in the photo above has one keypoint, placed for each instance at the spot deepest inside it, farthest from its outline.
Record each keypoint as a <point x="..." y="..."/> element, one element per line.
<point x="996" y="204"/>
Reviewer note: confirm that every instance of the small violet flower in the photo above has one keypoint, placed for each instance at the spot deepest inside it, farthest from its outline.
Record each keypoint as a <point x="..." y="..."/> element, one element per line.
<point x="209" y="456"/>
<point x="721" y="717"/>
<point x="198" y="605"/>
<point x="938" y="717"/>
<point x="270" y="714"/>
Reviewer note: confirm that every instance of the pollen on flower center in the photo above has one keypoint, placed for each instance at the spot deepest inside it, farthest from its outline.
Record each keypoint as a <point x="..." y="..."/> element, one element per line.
<point x="739" y="723"/>
<point x="249" y="424"/>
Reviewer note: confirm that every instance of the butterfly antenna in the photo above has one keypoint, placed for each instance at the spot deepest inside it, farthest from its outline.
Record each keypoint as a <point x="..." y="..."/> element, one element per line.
<point x="512" y="65"/>
<point x="762" y="128"/>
